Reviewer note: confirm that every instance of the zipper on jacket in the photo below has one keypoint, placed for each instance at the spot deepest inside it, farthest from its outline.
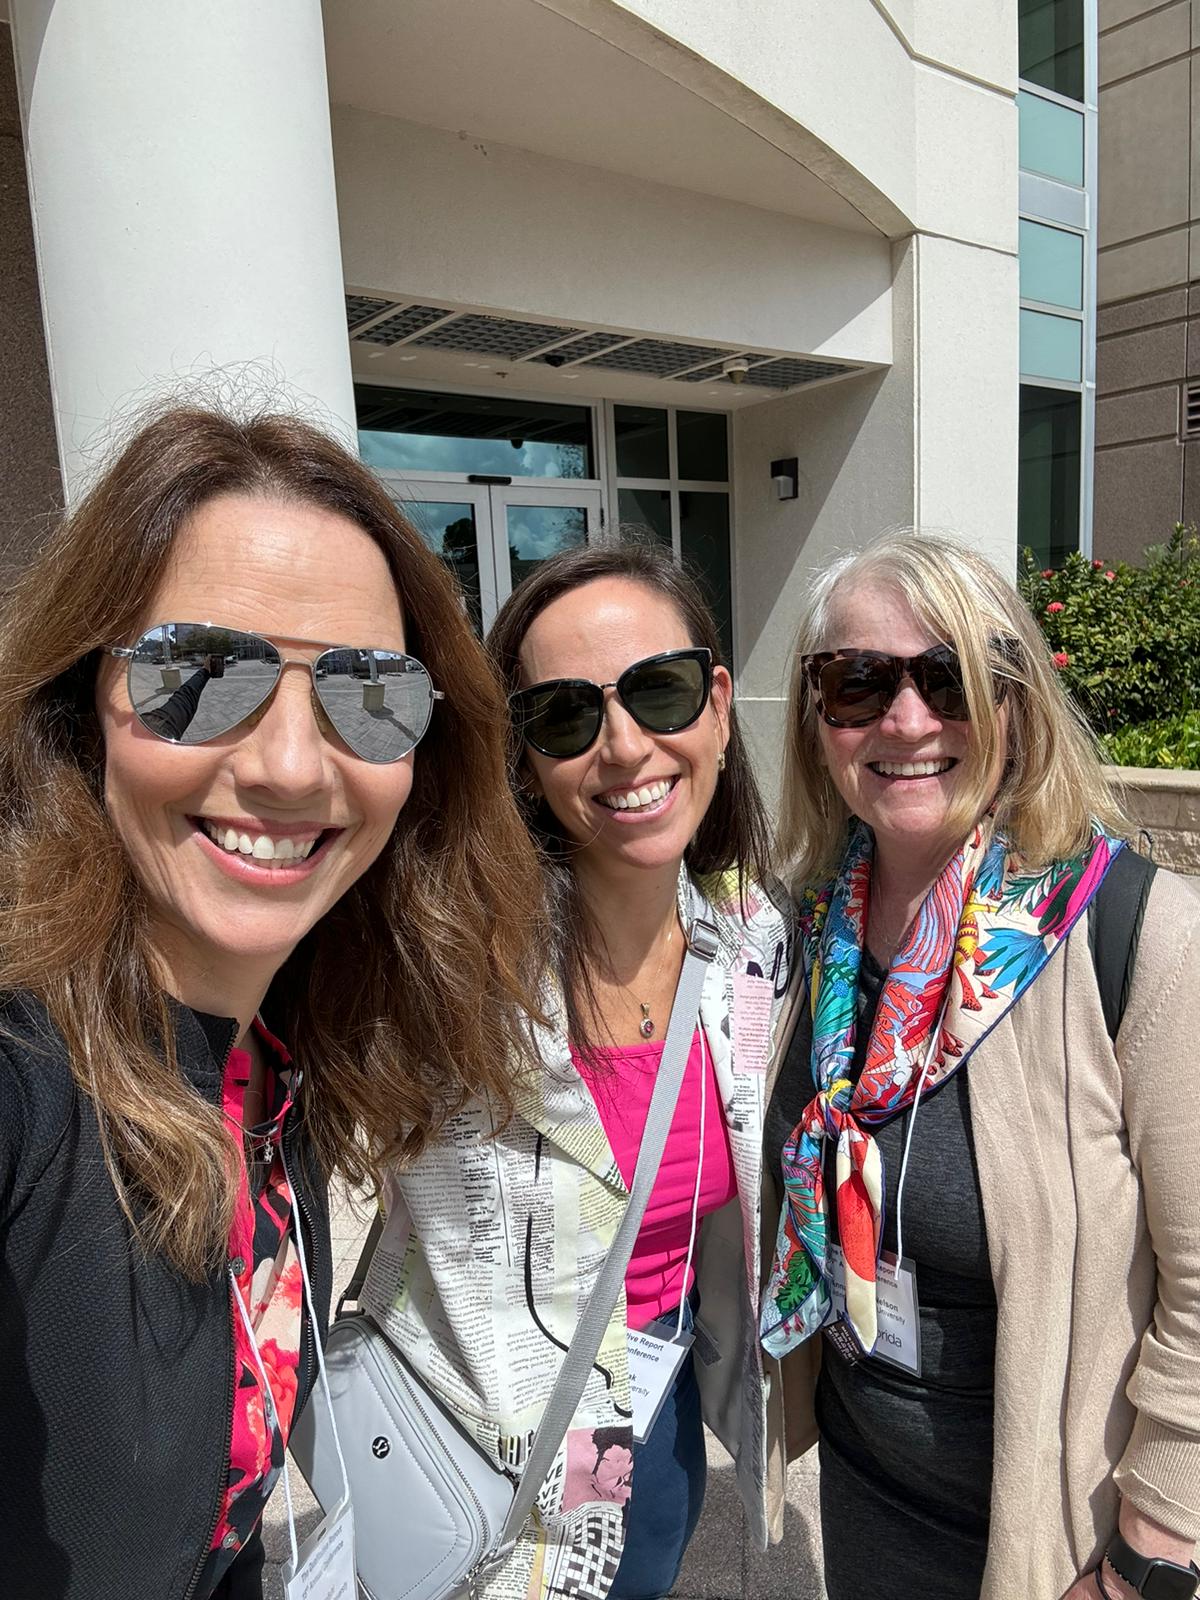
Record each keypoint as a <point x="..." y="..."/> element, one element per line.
<point x="229" y="1398"/>
<point x="216" y="1513"/>
<point x="307" y="1331"/>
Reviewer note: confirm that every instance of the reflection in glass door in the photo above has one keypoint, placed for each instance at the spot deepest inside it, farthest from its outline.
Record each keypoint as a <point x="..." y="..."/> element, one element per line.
<point x="531" y="524"/>
<point x="492" y="535"/>
<point x="450" y="529"/>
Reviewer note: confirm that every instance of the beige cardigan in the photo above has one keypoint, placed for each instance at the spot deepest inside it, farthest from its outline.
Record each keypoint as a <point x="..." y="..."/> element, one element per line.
<point x="1089" y="1167"/>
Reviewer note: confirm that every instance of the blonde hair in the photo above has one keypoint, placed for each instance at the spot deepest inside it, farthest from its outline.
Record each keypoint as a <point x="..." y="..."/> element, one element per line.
<point x="1053" y="787"/>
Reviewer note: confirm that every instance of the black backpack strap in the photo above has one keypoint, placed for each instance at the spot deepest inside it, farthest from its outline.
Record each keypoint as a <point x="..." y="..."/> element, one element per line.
<point x="1114" y="927"/>
<point x="354" y="1288"/>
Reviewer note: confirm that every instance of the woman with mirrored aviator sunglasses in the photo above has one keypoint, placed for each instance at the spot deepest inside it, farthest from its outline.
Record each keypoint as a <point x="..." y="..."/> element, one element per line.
<point x="237" y="820"/>
<point x="982" y="1131"/>
<point x="637" y="791"/>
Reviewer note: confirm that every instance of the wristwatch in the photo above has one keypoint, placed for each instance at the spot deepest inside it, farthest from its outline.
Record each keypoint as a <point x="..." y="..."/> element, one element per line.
<point x="1153" y="1580"/>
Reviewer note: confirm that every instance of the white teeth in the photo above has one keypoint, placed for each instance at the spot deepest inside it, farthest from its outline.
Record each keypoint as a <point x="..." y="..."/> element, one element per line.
<point x="273" y="852"/>
<point x="634" y="799"/>
<point x="912" y="769"/>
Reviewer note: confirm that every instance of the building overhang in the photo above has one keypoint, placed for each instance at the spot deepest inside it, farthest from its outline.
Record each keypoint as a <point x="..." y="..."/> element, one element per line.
<point x="410" y="341"/>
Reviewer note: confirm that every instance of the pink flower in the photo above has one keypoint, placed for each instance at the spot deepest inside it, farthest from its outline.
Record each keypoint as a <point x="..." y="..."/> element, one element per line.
<point x="1097" y="565"/>
<point x="1061" y="659"/>
<point x="1054" y="607"/>
<point x="1047" y="572"/>
<point x="1109" y="576"/>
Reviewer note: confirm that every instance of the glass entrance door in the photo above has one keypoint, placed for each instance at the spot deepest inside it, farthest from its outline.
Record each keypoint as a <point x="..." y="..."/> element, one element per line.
<point x="492" y="535"/>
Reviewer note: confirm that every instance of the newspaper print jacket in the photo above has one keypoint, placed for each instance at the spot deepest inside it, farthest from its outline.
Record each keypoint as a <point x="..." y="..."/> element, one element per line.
<point x="493" y="1244"/>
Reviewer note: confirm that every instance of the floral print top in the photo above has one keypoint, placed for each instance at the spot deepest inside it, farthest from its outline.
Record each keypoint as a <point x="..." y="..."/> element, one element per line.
<point x="262" y="1253"/>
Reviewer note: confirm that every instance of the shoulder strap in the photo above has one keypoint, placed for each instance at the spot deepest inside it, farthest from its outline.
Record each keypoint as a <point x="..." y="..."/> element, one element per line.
<point x="703" y="944"/>
<point x="1114" y="928"/>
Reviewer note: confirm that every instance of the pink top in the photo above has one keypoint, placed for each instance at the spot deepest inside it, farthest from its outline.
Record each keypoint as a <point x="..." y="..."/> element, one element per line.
<point x="621" y="1080"/>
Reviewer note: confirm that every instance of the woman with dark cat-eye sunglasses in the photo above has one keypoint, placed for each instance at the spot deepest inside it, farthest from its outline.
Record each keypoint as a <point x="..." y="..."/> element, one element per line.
<point x="627" y="758"/>
<point x="983" y="1126"/>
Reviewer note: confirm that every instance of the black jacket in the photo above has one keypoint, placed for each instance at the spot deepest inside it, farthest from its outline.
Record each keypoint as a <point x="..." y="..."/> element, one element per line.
<point x="116" y="1374"/>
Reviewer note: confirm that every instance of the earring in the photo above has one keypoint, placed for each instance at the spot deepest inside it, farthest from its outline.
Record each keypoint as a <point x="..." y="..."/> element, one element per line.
<point x="720" y="761"/>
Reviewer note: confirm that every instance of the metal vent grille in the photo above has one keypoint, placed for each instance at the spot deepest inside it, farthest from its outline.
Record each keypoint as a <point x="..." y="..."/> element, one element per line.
<point x="494" y="336"/>
<point x="405" y="323"/>
<point x="788" y="373"/>
<point x="505" y="338"/>
<point x="361" y="308"/>
<point x="1191" y="411"/>
<point x="579" y="349"/>
<point x="657" y="358"/>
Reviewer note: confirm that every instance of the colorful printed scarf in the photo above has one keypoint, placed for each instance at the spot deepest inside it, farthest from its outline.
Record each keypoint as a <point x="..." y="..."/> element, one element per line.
<point x="984" y="932"/>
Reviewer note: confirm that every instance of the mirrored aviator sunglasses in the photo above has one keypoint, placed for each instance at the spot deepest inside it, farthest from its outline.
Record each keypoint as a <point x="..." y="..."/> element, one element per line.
<point x="666" y="693"/>
<point x="854" y="688"/>
<point x="190" y="682"/>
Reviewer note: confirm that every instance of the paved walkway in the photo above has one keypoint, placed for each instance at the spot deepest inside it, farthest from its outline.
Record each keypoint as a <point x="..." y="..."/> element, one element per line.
<point x="721" y="1563"/>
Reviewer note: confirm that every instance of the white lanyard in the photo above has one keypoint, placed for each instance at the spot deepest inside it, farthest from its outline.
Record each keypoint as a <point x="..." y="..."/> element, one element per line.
<point x="934" y="1035"/>
<point x="269" y="1409"/>
<point x="654" y="1360"/>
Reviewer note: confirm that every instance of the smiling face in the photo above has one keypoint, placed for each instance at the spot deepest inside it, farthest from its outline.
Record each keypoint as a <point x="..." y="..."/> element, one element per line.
<point x="635" y="799"/>
<point x="900" y="775"/>
<point x="242" y="844"/>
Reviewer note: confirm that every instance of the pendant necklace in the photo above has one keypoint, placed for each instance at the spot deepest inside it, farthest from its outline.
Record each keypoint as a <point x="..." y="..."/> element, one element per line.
<point x="646" y="1025"/>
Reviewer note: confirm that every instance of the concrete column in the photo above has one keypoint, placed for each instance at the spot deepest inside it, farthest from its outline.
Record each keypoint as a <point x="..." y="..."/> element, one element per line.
<point x="965" y="383"/>
<point x="181" y="183"/>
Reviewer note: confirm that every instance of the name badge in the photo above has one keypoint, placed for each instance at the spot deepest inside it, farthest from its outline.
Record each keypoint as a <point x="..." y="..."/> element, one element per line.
<point x="653" y="1364"/>
<point x="898" y="1322"/>
<point x="753" y="1000"/>
<point x="325" y="1568"/>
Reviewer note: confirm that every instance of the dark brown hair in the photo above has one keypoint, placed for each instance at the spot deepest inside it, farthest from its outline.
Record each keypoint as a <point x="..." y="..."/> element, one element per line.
<point x="406" y="999"/>
<point x="734" y="833"/>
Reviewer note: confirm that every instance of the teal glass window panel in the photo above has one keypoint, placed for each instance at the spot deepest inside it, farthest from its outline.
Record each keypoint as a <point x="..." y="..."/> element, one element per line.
<point x="642" y="511"/>
<point x="642" y="450"/>
<point x="704" y="552"/>
<point x="1051" y="265"/>
<point x="419" y="431"/>
<point x="1050" y="138"/>
<point x="1048" y="474"/>
<point x="702" y="440"/>
<point x="1051" y="347"/>
<point x="1050" y="45"/>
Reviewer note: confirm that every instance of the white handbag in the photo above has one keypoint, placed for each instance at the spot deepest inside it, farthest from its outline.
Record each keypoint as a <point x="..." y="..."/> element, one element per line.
<point x="432" y="1513"/>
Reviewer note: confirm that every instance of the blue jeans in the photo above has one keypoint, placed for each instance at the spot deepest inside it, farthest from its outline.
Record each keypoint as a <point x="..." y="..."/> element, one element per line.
<point x="669" y="1471"/>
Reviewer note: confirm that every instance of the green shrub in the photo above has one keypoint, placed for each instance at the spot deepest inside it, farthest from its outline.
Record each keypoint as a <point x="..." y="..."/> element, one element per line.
<point x="1172" y="742"/>
<point x="1126" y="639"/>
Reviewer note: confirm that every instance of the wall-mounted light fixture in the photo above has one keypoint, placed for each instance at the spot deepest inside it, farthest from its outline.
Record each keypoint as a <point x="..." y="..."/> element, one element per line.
<point x="736" y="369"/>
<point x="785" y="475"/>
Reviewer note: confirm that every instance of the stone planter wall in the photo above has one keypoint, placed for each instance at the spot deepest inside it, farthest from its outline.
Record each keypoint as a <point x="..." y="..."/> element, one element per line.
<point x="1165" y="807"/>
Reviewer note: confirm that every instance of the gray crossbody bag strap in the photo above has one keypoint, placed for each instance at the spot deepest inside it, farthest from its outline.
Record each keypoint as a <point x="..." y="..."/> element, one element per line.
<point x="703" y="943"/>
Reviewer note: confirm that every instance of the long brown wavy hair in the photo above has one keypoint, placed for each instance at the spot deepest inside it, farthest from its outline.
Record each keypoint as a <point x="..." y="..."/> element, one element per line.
<point x="410" y="996"/>
<point x="734" y="835"/>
